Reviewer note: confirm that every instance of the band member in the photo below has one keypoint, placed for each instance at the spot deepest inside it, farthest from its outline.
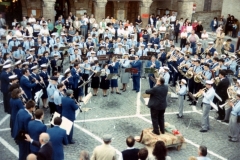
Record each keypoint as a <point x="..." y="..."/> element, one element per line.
<point x="228" y="110"/>
<point x="50" y="92"/>
<point x="181" y="92"/>
<point x="104" y="84"/>
<point x="35" y="128"/>
<point x="45" y="60"/>
<point x="162" y="55"/>
<point x="26" y="84"/>
<point x="156" y="49"/>
<point x="113" y="67"/>
<point x="85" y="68"/>
<point x="125" y="76"/>
<point x="18" y="69"/>
<point x="95" y="79"/>
<point x="119" y="49"/>
<point x="5" y="85"/>
<point x="68" y="110"/>
<point x="19" y="54"/>
<point x="57" y="96"/>
<point x="148" y="49"/>
<point x="35" y="76"/>
<point x="132" y="53"/>
<point x="67" y="80"/>
<point x="221" y="90"/>
<point x="54" y="63"/>
<point x="136" y="76"/>
<point x="199" y="49"/>
<point x="92" y="58"/>
<point x="234" y="124"/>
<point x="76" y="77"/>
<point x="152" y="64"/>
<point x="141" y="51"/>
<point x="102" y="50"/>
<point x="196" y="70"/>
<point x="24" y="116"/>
<point x="166" y="75"/>
<point x="16" y="104"/>
<point x="210" y="48"/>
<point x="232" y="64"/>
<point x="44" y="76"/>
<point x="157" y="104"/>
<point x="207" y="99"/>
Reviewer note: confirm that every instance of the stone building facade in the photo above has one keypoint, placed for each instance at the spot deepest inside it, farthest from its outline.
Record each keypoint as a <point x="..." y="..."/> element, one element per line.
<point x="205" y="10"/>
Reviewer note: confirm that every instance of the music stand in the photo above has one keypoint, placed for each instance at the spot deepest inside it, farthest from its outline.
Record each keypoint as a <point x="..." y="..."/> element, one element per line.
<point x="117" y="55"/>
<point x="144" y="58"/>
<point x="84" y="83"/>
<point x="103" y="57"/>
<point x="151" y="54"/>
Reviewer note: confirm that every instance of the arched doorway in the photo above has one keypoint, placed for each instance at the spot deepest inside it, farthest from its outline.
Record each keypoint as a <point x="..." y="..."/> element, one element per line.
<point x="109" y="10"/>
<point x="62" y="7"/>
<point x="10" y="10"/>
<point x="133" y="11"/>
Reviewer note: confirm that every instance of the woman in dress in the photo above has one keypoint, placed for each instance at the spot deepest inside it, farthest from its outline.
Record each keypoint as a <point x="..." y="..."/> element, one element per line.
<point x="113" y="67"/>
<point x="66" y="61"/>
<point x="125" y="76"/>
<point x="219" y="40"/>
<point x="104" y="84"/>
<point x="45" y="76"/>
<point x="214" y="24"/>
<point x="45" y="60"/>
<point x="15" y="104"/>
<point x="95" y="79"/>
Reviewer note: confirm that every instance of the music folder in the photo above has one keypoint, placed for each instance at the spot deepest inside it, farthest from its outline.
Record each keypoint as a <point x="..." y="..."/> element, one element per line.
<point x="112" y="76"/>
<point x="145" y="58"/>
<point x="132" y="70"/>
<point x="149" y="70"/>
<point x="66" y="125"/>
<point x="21" y="135"/>
<point x="63" y="48"/>
<point x="97" y="74"/>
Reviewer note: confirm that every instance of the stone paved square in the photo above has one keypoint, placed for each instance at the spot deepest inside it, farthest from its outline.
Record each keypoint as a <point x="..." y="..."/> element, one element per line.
<point x="126" y="114"/>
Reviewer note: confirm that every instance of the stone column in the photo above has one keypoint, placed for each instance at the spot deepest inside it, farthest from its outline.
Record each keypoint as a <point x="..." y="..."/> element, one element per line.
<point x="99" y="8"/>
<point x="49" y="10"/>
<point x="185" y="9"/>
<point x="145" y="11"/>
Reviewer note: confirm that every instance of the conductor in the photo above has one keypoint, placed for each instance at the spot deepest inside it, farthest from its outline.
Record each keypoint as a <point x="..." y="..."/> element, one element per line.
<point x="157" y="104"/>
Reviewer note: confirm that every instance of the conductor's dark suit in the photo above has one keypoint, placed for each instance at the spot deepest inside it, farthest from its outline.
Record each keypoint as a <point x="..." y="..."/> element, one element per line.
<point x="45" y="152"/>
<point x="68" y="110"/>
<point x="136" y="77"/>
<point x="221" y="90"/>
<point x="157" y="103"/>
<point x="130" y="154"/>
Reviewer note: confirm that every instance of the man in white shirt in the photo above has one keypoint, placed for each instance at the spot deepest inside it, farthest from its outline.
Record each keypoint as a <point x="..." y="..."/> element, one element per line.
<point x="181" y="91"/>
<point x="183" y="37"/>
<point x="172" y="18"/>
<point x="120" y="31"/>
<point x="162" y="30"/>
<point x="207" y="99"/>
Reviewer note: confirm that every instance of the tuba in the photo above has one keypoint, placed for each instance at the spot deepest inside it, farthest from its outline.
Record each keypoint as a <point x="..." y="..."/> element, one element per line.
<point x="189" y="74"/>
<point x="198" y="77"/>
<point x="216" y="80"/>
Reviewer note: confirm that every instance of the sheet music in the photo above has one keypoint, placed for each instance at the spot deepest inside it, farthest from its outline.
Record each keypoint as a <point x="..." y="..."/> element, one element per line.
<point x="54" y="116"/>
<point x="66" y="125"/>
<point x="38" y="95"/>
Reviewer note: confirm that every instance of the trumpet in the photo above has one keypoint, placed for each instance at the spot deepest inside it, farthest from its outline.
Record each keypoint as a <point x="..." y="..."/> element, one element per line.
<point x="199" y="94"/>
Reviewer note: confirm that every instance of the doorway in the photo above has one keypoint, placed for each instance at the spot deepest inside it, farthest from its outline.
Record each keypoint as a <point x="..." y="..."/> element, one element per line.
<point x="62" y="7"/>
<point x="109" y="10"/>
<point x="132" y="11"/>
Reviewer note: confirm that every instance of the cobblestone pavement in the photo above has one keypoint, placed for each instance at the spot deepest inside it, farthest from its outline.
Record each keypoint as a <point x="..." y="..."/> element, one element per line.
<point x="126" y="114"/>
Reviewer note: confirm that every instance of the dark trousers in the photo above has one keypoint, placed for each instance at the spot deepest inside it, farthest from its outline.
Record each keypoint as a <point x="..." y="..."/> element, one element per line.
<point x="175" y="77"/>
<point x="183" y="43"/>
<point x="75" y="93"/>
<point x="197" y="86"/>
<point x="151" y="83"/>
<point x="24" y="149"/>
<point x="176" y="36"/>
<point x="70" y="135"/>
<point x="85" y="78"/>
<point x="157" y="117"/>
<point x="6" y="103"/>
<point x="52" y="107"/>
<point x="59" y="109"/>
<point x="190" y="85"/>
<point x="238" y="44"/>
<point x="136" y="83"/>
<point x="221" y="111"/>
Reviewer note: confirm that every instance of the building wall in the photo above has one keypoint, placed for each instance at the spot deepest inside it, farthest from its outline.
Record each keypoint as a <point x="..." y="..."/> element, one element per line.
<point x="206" y="18"/>
<point x="28" y="5"/>
<point x="82" y="5"/>
<point x="231" y="7"/>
